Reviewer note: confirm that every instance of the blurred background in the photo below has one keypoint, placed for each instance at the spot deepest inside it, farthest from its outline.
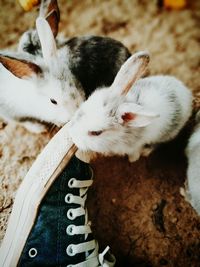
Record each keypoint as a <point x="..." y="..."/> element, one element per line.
<point x="135" y="208"/>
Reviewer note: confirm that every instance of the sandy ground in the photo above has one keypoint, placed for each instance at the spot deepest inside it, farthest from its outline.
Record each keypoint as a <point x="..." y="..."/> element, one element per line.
<point x="135" y="208"/>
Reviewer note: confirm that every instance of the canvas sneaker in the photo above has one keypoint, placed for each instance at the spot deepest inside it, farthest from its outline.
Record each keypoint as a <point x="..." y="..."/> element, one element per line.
<point x="49" y="225"/>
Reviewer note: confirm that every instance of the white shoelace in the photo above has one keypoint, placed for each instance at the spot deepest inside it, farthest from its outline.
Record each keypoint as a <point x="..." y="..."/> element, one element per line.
<point x="94" y="259"/>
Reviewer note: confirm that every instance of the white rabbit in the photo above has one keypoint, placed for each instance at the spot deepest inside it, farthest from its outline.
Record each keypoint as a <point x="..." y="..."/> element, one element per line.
<point x="193" y="171"/>
<point x="41" y="89"/>
<point x="116" y="121"/>
<point x="49" y="83"/>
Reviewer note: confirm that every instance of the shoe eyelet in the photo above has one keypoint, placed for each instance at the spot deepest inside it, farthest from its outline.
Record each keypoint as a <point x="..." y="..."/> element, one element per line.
<point x="70" y="251"/>
<point x="70" y="229"/>
<point x="70" y="214"/>
<point x="32" y="252"/>
<point x="71" y="182"/>
<point x="68" y="198"/>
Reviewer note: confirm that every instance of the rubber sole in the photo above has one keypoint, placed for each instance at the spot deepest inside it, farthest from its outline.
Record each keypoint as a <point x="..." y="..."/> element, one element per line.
<point x="48" y="165"/>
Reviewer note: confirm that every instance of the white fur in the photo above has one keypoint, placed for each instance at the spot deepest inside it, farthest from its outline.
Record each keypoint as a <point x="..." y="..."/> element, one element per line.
<point x="47" y="41"/>
<point x="193" y="171"/>
<point x="154" y="101"/>
<point x="29" y="97"/>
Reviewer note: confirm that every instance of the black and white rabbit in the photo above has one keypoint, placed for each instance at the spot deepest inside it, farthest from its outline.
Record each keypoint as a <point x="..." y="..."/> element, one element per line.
<point x="93" y="60"/>
<point x="50" y="88"/>
<point x="132" y="113"/>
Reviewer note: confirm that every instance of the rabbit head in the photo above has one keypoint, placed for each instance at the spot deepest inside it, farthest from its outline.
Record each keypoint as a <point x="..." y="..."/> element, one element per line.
<point x="103" y="122"/>
<point x="48" y="80"/>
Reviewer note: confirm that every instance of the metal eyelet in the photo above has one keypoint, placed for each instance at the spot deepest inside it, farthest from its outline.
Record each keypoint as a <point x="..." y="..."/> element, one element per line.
<point x="71" y="182"/>
<point x="68" y="198"/>
<point x="70" y="229"/>
<point x="70" y="251"/>
<point x="70" y="214"/>
<point x="32" y="252"/>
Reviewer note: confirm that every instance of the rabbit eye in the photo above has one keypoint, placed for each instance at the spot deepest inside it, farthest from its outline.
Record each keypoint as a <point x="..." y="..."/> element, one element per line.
<point x="95" y="133"/>
<point x="53" y="101"/>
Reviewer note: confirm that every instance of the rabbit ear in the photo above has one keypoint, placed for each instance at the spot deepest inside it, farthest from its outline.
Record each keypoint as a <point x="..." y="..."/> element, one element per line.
<point x="130" y="72"/>
<point x="46" y="39"/>
<point x="47" y="6"/>
<point x="53" y="21"/>
<point x="19" y="68"/>
<point x="135" y="115"/>
<point x="49" y="10"/>
<point x="53" y="5"/>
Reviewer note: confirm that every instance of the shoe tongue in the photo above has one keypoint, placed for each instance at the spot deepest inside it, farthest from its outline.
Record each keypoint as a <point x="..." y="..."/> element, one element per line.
<point x="79" y="169"/>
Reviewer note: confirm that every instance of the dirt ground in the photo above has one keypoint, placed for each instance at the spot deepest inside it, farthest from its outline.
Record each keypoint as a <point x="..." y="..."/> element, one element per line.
<point x="135" y="208"/>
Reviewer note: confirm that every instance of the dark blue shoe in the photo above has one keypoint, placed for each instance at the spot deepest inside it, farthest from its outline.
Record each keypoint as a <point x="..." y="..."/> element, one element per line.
<point x="61" y="234"/>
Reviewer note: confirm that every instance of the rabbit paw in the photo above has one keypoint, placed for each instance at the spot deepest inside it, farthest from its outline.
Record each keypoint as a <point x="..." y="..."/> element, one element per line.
<point x="184" y="193"/>
<point x="146" y="151"/>
<point x="34" y="127"/>
<point x="133" y="157"/>
<point x="86" y="156"/>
